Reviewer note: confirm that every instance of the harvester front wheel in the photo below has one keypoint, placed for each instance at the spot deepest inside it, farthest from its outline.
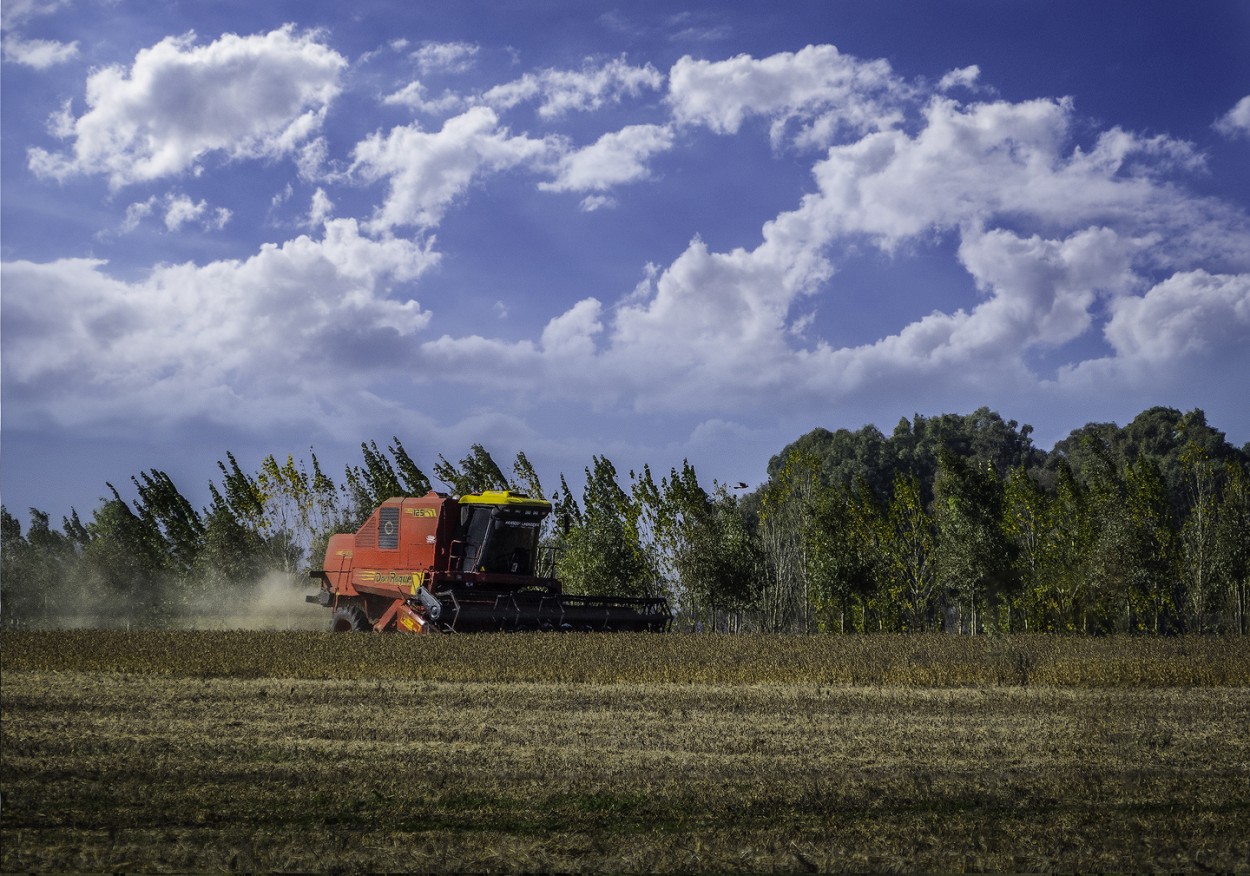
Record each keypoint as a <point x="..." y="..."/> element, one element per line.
<point x="349" y="619"/>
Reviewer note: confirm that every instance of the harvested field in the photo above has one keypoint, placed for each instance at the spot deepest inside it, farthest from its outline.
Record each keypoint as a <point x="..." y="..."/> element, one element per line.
<point x="309" y="752"/>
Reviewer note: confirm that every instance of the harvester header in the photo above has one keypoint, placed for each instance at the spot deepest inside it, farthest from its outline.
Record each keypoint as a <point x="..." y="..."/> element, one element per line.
<point x="437" y="563"/>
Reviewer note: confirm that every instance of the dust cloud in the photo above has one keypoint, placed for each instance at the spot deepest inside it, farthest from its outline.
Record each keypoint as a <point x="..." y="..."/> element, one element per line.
<point x="275" y="602"/>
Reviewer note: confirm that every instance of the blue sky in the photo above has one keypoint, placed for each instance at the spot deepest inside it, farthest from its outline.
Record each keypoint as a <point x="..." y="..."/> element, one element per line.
<point x="644" y="230"/>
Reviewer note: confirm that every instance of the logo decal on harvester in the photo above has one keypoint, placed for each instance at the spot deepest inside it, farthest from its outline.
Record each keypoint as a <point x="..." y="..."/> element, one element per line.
<point x="423" y="512"/>
<point x="386" y="577"/>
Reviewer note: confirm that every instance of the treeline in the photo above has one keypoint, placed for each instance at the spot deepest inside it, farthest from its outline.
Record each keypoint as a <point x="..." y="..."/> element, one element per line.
<point x="959" y="523"/>
<point x="953" y="522"/>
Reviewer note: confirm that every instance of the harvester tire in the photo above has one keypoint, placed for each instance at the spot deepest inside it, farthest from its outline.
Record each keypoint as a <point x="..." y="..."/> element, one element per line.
<point x="349" y="619"/>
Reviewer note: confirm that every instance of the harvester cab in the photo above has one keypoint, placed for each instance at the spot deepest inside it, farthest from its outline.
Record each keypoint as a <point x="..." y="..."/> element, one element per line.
<point x="499" y="533"/>
<point x="437" y="563"/>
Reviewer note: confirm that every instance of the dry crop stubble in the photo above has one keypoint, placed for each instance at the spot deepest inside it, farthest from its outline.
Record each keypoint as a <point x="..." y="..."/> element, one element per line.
<point x="186" y="753"/>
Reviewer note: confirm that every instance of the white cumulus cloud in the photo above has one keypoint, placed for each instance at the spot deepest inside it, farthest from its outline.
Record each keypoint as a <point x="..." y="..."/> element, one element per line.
<point x="563" y="91"/>
<point x="229" y="340"/>
<point x="321" y="209"/>
<point x="413" y="95"/>
<point x="427" y="171"/>
<point x="1191" y="312"/>
<point x="242" y="96"/>
<point x="1236" y="122"/>
<point x="453" y="57"/>
<point x="39" y="54"/>
<point x="573" y="332"/>
<point x="969" y="165"/>
<point x="591" y="203"/>
<point x="181" y="210"/>
<point x="963" y="77"/>
<point x="1042" y="291"/>
<point x="1187" y="335"/>
<point x="614" y="159"/>
<point x="1067" y="238"/>
<point x="14" y="13"/>
<point x="136" y="213"/>
<point x="818" y="87"/>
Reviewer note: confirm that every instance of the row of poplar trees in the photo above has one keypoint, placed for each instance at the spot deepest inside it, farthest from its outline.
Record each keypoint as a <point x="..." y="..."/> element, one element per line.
<point x="953" y="523"/>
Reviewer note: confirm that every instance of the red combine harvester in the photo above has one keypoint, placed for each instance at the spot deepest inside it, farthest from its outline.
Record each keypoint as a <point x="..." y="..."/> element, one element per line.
<point x="467" y="564"/>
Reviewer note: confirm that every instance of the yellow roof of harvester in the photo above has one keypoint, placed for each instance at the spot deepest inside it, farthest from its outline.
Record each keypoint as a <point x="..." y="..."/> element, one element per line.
<point x="504" y="497"/>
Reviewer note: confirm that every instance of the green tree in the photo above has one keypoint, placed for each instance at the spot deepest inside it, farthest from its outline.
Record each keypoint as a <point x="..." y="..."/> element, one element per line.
<point x="475" y="473"/>
<point x="369" y="485"/>
<point x="907" y="553"/>
<point x="706" y="548"/>
<point x="845" y="457"/>
<point x="982" y="436"/>
<point x="727" y="570"/>
<point x="1167" y="437"/>
<point x="648" y="523"/>
<point x="366" y="486"/>
<point x="1154" y="574"/>
<point x="290" y="508"/>
<point x="1029" y="526"/>
<point x="412" y="479"/>
<point x="788" y="505"/>
<point x="1132" y="568"/>
<point x="1067" y="551"/>
<point x="233" y="554"/>
<point x="842" y="552"/>
<point x="600" y="551"/>
<point x="1199" y="567"/>
<point x="33" y="569"/>
<point x="913" y="447"/>
<point x="242" y="495"/>
<point x="301" y="509"/>
<point x="565" y="508"/>
<point x="525" y="478"/>
<point x="124" y="565"/>
<point x="1162" y="434"/>
<point x="11" y="541"/>
<point x="972" y="554"/>
<point x="1232" y="549"/>
<point x="171" y="521"/>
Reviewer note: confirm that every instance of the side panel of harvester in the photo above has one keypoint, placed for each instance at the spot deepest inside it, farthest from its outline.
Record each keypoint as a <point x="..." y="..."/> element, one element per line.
<point x="401" y="538"/>
<point x="401" y="543"/>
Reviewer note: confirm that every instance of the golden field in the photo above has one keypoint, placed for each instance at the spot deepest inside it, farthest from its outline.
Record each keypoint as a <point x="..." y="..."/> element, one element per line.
<point x="159" y="751"/>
